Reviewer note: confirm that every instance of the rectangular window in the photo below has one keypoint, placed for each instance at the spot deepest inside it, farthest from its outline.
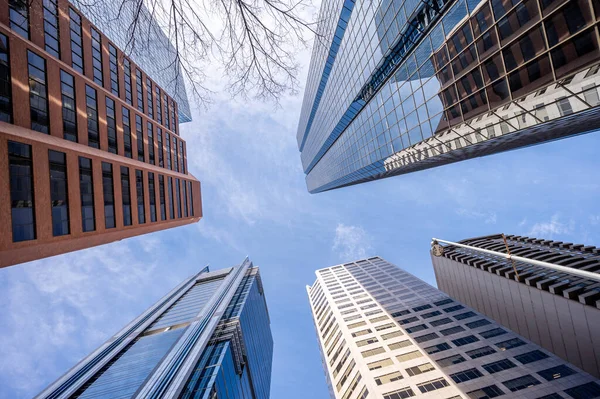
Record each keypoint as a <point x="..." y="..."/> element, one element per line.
<point x="453" y="308"/>
<point x="367" y="341"/>
<point x="173" y="121"/>
<point x="441" y="322"/>
<point x="151" y="143"/>
<point x="409" y="356"/>
<point x="181" y="156"/>
<point x="51" y="33"/>
<point x="392" y="334"/>
<point x="399" y="394"/>
<point x="76" y="41"/>
<point x="69" y="108"/>
<point x="491" y="391"/>
<point x="426" y="337"/>
<point x="498" y="366"/>
<point x="171" y="202"/>
<point x="86" y="189"/>
<point x="176" y="156"/>
<point x="113" y="61"/>
<point x="191" y="199"/>
<point x="178" y="197"/>
<point x="127" y="132"/>
<point x="158" y="106"/>
<point x="185" y="199"/>
<point x="160" y="145"/>
<point x="59" y="194"/>
<point x="109" y="195"/>
<point x="432" y="385"/>
<point x="450" y="361"/>
<point x="387" y="378"/>
<point x="478" y="323"/>
<point x="407" y="320"/>
<point x="431" y="314"/>
<point x="161" y="194"/>
<point x="139" y="87"/>
<point x="5" y="82"/>
<point x="417" y="328"/>
<point x="140" y="137"/>
<point x="452" y="330"/>
<point x="584" y="391"/>
<point x="21" y="191"/>
<point x="443" y="302"/>
<point x="168" y="149"/>
<point x="465" y="340"/>
<point x="420" y="369"/>
<point x="97" y="56"/>
<point x="420" y="308"/>
<point x="38" y="93"/>
<point x="511" y="343"/>
<point x="555" y="373"/>
<point x="372" y="352"/>
<point x="166" y="105"/>
<point x="126" y="194"/>
<point x="111" y="125"/>
<point x="480" y="352"/>
<point x="139" y="185"/>
<point x="127" y="80"/>
<point x="149" y="95"/>
<point x="398" y="345"/>
<point x="400" y="313"/>
<point x="91" y="106"/>
<point x="152" y="194"/>
<point x="492" y="333"/>
<point x="19" y="17"/>
<point x="531" y="357"/>
<point x="465" y="315"/>
<point x="520" y="383"/>
<point x="380" y="364"/>
<point x="466" y="375"/>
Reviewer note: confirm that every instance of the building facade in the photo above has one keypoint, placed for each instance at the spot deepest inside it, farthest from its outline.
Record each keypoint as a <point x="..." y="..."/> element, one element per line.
<point x="558" y="311"/>
<point x="90" y="151"/>
<point x="384" y="333"/>
<point x="208" y="338"/>
<point x="396" y="87"/>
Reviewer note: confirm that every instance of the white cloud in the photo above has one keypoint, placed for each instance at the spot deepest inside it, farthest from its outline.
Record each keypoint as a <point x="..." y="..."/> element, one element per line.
<point x="552" y="228"/>
<point x="486" y="217"/>
<point x="351" y="242"/>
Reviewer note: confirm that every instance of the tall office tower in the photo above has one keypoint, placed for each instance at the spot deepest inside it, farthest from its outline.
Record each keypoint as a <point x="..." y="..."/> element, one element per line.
<point x="90" y="151"/>
<point x="384" y="333"/>
<point x="399" y="86"/>
<point x="208" y="338"/>
<point x="558" y="311"/>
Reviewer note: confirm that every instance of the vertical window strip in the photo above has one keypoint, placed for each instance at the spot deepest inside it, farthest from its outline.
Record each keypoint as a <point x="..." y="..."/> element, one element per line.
<point x="140" y="137"/>
<point x="168" y="149"/>
<point x="191" y="199"/>
<point x="139" y="86"/>
<point x="86" y="190"/>
<point x="114" y="69"/>
<point x="152" y="196"/>
<point x="76" y="41"/>
<point x="166" y="105"/>
<point x="178" y="197"/>
<point x="173" y="121"/>
<point x="161" y="194"/>
<point x="92" y="117"/>
<point x="51" y="31"/>
<point x="109" y="195"/>
<point x="171" y="202"/>
<point x="161" y="162"/>
<point x="141" y="206"/>
<point x="97" y="57"/>
<point x="69" y="108"/>
<point x="126" y="195"/>
<point x="127" y="79"/>
<point x="149" y="95"/>
<point x="38" y="93"/>
<point x="176" y="155"/>
<point x="151" y="144"/>
<point x="111" y="126"/>
<point x="59" y="194"/>
<point x="127" y="133"/>
<point x="5" y="82"/>
<point x="158" y="107"/>
<point x="19" y="17"/>
<point x="185" y="199"/>
<point x="181" y="156"/>
<point x="20" y="164"/>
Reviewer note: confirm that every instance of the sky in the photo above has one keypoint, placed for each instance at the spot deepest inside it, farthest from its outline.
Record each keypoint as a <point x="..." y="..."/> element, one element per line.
<point x="57" y="310"/>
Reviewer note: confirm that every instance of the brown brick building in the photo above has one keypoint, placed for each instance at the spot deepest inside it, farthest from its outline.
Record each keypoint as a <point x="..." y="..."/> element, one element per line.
<point x="90" y="151"/>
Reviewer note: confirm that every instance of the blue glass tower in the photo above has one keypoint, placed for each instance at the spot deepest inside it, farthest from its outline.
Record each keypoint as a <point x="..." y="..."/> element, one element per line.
<point x="208" y="338"/>
<point x="396" y="86"/>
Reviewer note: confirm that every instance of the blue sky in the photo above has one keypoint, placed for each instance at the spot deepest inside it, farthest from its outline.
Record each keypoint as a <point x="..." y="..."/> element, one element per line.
<point x="56" y="311"/>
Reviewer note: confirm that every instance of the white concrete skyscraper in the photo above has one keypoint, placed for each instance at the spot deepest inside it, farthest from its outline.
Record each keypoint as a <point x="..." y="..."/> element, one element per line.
<point x="384" y="333"/>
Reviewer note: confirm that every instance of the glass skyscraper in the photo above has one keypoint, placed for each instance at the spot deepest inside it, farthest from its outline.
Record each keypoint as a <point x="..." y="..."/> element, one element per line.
<point x="396" y="86"/>
<point x="385" y="334"/>
<point x="209" y="338"/>
<point x="558" y="311"/>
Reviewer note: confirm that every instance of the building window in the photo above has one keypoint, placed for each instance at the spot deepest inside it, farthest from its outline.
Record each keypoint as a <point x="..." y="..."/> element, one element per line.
<point x="139" y="86"/>
<point x="38" y="94"/>
<point x="555" y="373"/>
<point x="139" y="185"/>
<point x="400" y="313"/>
<point x="127" y="132"/>
<point x="126" y="194"/>
<point x="480" y="352"/>
<point x="158" y="106"/>
<point x="399" y="394"/>
<point x="478" y="323"/>
<point x="161" y="194"/>
<point x="185" y="199"/>
<point x="452" y="330"/>
<point x="466" y="375"/>
<point x="149" y="96"/>
<point x="387" y="378"/>
<point x="166" y="105"/>
<point x="171" y="203"/>
<point x="431" y="314"/>
<point x="140" y="137"/>
<point x="492" y="333"/>
<point x="520" y="383"/>
<point x="97" y="56"/>
<point x="469" y="339"/>
<point x="178" y="197"/>
<point x="152" y="194"/>
<point x="111" y="125"/>
<point x="443" y="302"/>
<point x="498" y="366"/>
<point x="420" y="308"/>
<point x="127" y="79"/>
<point x="176" y="156"/>
<point x="417" y="328"/>
<point x="437" y="348"/>
<point x="451" y="360"/>
<point x="19" y="17"/>
<point x="86" y="188"/>
<point x="181" y="156"/>
<point x="161" y="162"/>
<point x="426" y="337"/>
<point x="511" y="343"/>
<point x="51" y="32"/>
<point x="5" y="82"/>
<point x="416" y="370"/>
<point x="491" y="391"/>
<point x="409" y="356"/>
<point x="453" y="308"/>
<point x="191" y="199"/>
<point x="585" y="391"/>
<point x="76" y="41"/>
<point x="92" y="117"/>
<point x="168" y="149"/>
<point x="69" y="108"/>
<point x="531" y="357"/>
<point x="109" y="195"/>
<point x="173" y="121"/>
<point x="113" y="60"/>
<point x="372" y="352"/>
<point x="21" y="191"/>
<point x="465" y="315"/>
<point x="432" y="385"/>
<point x="380" y="364"/>
<point x="151" y="143"/>
<point x="59" y="195"/>
<point x="441" y="322"/>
